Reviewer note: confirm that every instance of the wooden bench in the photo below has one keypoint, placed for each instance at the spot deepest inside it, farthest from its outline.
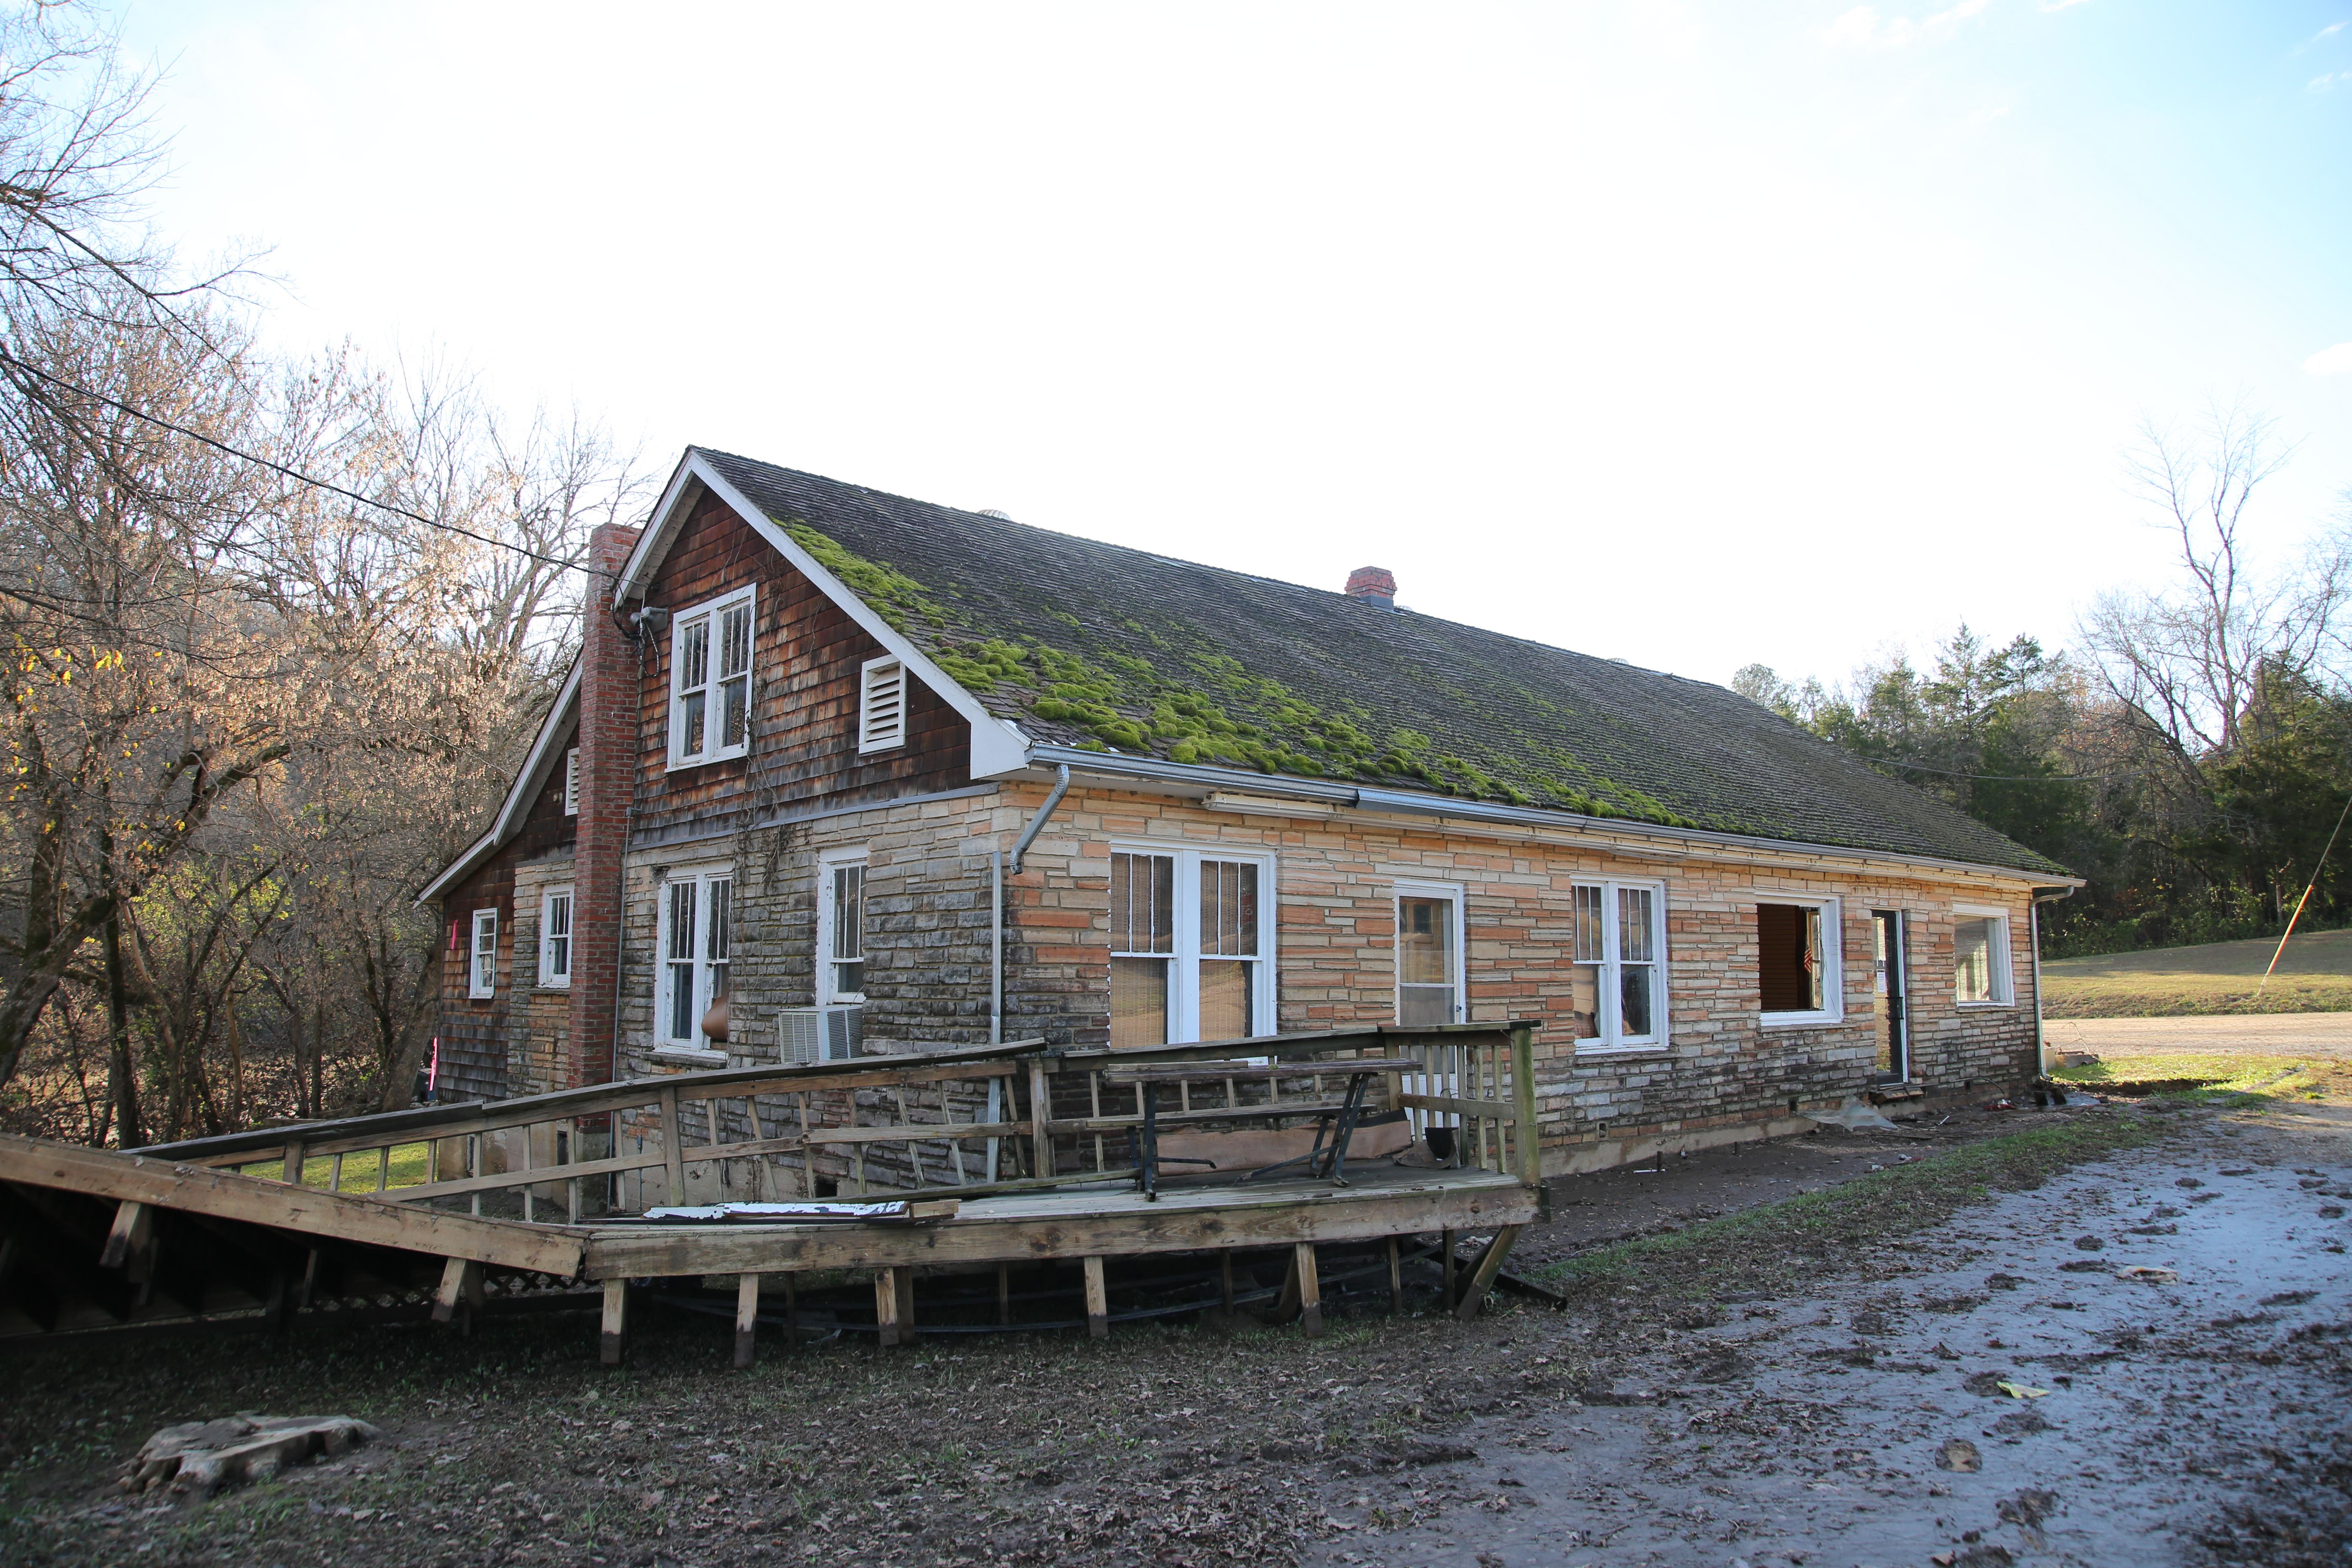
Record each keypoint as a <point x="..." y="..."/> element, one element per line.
<point x="1339" y="1117"/>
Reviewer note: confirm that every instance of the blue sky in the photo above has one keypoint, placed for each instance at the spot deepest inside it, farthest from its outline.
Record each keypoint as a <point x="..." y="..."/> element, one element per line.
<point x="1688" y="334"/>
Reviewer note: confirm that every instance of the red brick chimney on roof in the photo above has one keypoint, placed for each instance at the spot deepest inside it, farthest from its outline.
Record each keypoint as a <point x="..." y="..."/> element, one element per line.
<point x="1372" y="583"/>
<point x="608" y="772"/>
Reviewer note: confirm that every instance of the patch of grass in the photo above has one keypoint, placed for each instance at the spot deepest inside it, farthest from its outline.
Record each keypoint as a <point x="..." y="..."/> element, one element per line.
<point x="2229" y="1080"/>
<point x="2314" y="975"/>
<point x="409" y="1161"/>
<point x="1778" y="1244"/>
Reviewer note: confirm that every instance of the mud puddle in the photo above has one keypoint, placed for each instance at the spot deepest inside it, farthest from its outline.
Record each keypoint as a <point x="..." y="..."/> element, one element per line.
<point x="2195" y="1414"/>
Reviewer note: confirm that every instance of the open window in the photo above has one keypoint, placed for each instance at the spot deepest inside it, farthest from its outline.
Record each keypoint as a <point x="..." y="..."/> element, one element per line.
<point x="1980" y="967"/>
<point x="697" y="913"/>
<point x="711" y="681"/>
<point x="1620" y="941"/>
<point x="1798" y="972"/>
<point x="482" y="978"/>
<point x="1191" y="952"/>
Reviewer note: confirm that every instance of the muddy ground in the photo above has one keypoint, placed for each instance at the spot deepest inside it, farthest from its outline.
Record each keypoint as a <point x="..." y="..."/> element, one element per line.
<point x="1765" y="1386"/>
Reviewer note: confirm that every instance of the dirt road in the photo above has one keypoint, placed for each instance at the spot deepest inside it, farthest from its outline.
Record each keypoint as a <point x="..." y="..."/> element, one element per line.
<point x="2325" y="1035"/>
<point x="2191" y="1420"/>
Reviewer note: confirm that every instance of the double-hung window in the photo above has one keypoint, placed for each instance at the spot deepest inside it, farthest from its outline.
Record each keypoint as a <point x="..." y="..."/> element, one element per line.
<point x="1980" y="973"/>
<point x="1190" y="948"/>
<point x="711" y="681"/>
<point x="555" y="937"/>
<point x="482" y="977"/>
<point x="1799" y="972"/>
<point x="697" y="912"/>
<point x="841" y="927"/>
<point x="1619" y="935"/>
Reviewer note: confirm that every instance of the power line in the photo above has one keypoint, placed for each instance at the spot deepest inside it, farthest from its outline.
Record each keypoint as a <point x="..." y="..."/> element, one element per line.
<point x="2019" y="778"/>
<point x="295" y="474"/>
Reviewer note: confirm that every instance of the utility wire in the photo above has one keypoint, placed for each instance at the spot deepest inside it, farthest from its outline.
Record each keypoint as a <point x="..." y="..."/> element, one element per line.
<point x="2019" y="778"/>
<point x="295" y="474"/>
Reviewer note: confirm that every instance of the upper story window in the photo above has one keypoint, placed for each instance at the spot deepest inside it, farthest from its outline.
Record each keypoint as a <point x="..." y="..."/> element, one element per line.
<point x="1619" y="936"/>
<point x="1798" y="971"/>
<point x="482" y="977"/>
<point x="711" y="681"/>
<point x="841" y="927"/>
<point x="1189" y="947"/>
<point x="1980" y="971"/>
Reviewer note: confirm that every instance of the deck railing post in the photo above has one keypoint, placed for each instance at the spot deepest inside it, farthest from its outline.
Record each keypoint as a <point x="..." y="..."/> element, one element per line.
<point x="1528" y="1134"/>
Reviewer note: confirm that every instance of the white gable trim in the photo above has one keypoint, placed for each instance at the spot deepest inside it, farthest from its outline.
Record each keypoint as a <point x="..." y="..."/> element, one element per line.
<point x="544" y="756"/>
<point x="997" y="747"/>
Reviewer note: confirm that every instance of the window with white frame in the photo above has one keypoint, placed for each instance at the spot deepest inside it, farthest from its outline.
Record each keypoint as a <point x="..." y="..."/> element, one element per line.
<point x="571" y="782"/>
<point x="711" y="681"/>
<point x="1429" y="954"/>
<point x="697" y="928"/>
<point x="1799" y="974"/>
<point x="881" y="705"/>
<point x="483" y="979"/>
<point x="1619" y="938"/>
<point x="1980" y="972"/>
<point x="555" y="937"/>
<point x="1190" y="949"/>
<point x="841" y="927"/>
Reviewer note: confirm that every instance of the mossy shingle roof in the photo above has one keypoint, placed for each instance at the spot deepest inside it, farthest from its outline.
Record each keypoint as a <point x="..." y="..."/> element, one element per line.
<point x="1108" y="647"/>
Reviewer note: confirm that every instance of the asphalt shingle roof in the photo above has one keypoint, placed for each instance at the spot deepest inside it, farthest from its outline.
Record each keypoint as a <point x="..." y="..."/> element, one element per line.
<point x="1101" y="645"/>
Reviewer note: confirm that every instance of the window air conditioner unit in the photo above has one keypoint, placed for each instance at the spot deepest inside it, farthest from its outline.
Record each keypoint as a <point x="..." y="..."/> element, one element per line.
<point x="821" y="1034"/>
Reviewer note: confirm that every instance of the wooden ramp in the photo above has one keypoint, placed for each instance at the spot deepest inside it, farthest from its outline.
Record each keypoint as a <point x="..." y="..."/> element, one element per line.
<point x="1018" y="1155"/>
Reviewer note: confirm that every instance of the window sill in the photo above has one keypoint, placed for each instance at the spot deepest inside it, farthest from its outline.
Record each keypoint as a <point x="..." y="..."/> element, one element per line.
<point x="1586" y="1050"/>
<point x="1802" y="1020"/>
<point x="481" y="995"/>
<point x="688" y="1057"/>
<point x="560" y="988"/>
<point x="680" y="765"/>
<point x="1986" y="1006"/>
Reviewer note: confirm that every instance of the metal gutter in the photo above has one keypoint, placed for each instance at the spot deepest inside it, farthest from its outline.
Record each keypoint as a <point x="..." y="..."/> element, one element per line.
<point x="1118" y="764"/>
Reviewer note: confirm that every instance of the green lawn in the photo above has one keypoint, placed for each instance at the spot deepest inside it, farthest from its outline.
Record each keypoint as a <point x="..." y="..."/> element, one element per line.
<point x="2221" y="1077"/>
<point x="2315" y="976"/>
<point x="408" y="1169"/>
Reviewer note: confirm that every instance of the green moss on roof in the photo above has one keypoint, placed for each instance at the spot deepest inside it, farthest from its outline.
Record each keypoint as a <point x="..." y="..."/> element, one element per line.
<point x="1104" y="647"/>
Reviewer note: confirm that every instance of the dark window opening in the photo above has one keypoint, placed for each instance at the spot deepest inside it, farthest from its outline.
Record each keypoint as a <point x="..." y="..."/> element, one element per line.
<point x="1788" y="957"/>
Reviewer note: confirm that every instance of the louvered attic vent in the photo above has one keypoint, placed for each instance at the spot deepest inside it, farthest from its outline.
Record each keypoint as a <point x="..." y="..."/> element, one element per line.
<point x="882" y="705"/>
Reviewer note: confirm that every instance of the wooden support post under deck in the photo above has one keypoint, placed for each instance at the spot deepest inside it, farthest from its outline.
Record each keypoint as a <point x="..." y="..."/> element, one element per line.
<point x="1225" y="1270"/>
<point x="461" y="1285"/>
<point x="792" y="1316"/>
<point x="747" y="1316"/>
<point x="1396" y="1278"/>
<point x="1098" y="1300"/>
<point x="1445" y="1247"/>
<point x="1310" y="1291"/>
<point x="885" y="1306"/>
<point x="1004" y="1293"/>
<point x="615" y="1323"/>
<point x="1482" y="1277"/>
<point x="133" y="1234"/>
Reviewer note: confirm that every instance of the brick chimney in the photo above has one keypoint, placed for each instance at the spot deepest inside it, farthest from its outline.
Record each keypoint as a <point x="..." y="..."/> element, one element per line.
<point x="609" y="729"/>
<point x="1373" y="585"/>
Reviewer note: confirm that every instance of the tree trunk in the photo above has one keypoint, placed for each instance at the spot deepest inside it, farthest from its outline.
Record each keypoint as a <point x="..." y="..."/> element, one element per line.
<point x="121" y="1080"/>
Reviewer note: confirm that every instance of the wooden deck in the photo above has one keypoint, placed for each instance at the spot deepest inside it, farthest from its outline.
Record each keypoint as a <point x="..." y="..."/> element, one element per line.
<point x="1030" y="1173"/>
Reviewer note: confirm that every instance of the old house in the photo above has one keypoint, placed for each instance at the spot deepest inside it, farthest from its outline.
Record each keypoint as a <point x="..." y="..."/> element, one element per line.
<point x="837" y="770"/>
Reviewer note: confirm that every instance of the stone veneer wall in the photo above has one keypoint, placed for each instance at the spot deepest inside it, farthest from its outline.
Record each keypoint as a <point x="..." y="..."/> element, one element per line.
<point x="1721" y="1077"/>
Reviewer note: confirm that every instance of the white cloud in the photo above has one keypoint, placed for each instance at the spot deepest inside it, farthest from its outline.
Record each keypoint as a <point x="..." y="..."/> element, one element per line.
<point x="1863" y="27"/>
<point x="2330" y="82"/>
<point x="2329" y="31"/>
<point x="2062" y="4"/>
<point x="2337" y="361"/>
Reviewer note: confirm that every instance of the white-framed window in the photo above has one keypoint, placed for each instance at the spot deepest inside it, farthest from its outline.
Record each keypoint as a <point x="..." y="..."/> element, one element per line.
<point x="555" y="937"/>
<point x="482" y="978"/>
<point x="841" y="927"/>
<point x="881" y="705"/>
<point x="711" y="681"/>
<point x="698" y="917"/>
<point x="1429" y="970"/>
<point x="571" y="782"/>
<point x="1800" y="973"/>
<point x="1618" y="938"/>
<point x="1980" y="966"/>
<point x="1192" y="945"/>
